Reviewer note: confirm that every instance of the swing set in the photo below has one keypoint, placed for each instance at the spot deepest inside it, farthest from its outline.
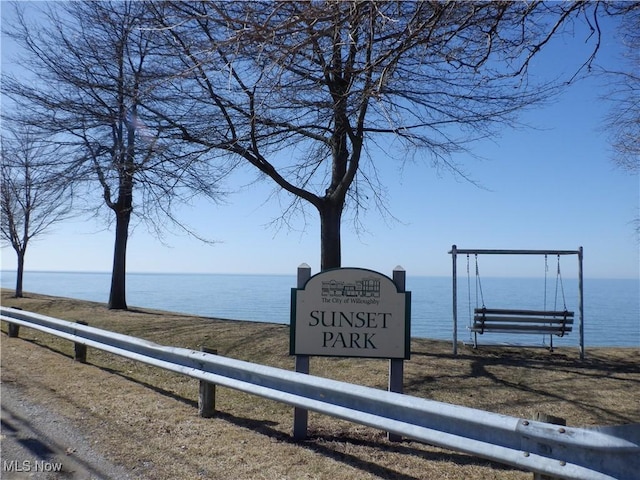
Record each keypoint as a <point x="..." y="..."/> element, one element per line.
<point x="558" y="321"/>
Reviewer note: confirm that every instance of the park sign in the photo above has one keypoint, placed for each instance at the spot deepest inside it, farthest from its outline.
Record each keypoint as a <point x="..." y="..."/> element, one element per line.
<point x="350" y="312"/>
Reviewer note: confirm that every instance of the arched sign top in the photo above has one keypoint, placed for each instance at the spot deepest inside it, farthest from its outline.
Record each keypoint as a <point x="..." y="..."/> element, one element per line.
<point x="361" y="276"/>
<point x="350" y="312"/>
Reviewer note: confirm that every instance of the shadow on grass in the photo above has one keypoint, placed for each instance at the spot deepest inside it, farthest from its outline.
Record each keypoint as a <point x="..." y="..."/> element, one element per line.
<point x="162" y="391"/>
<point x="317" y="442"/>
<point x="529" y="363"/>
<point x="321" y="443"/>
<point x="592" y="366"/>
<point x="526" y="356"/>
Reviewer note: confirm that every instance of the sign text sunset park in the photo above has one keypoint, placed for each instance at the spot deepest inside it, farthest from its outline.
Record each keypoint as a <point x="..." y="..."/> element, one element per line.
<point x="350" y="312"/>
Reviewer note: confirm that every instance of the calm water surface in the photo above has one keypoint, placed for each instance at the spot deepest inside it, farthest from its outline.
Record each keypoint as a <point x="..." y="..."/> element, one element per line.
<point x="611" y="307"/>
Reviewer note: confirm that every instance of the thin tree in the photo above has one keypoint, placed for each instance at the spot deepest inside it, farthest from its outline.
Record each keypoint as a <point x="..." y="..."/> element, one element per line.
<point x="315" y="94"/>
<point x="32" y="198"/>
<point x="96" y="65"/>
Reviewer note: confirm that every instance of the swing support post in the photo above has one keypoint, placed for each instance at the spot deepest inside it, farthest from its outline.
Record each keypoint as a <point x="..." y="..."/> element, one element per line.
<point x="580" y="303"/>
<point x="579" y="252"/>
<point x="454" y="258"/>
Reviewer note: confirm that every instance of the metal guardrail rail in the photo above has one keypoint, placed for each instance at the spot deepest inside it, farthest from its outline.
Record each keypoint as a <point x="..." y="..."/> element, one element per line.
<point x="597" y="453"/>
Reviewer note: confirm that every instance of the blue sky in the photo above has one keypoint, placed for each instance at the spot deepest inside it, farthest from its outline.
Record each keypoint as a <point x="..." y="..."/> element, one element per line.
<point x="552" y="186"/>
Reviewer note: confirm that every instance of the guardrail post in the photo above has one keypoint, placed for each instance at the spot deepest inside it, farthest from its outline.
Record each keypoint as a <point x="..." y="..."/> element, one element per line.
<point x="301" y="415"/>
<point x="207" y="395"/>
<point x="79" y="349"/>
<point x="543" y="417"/>
<point x="13" y="330"/>
<point x="396" y="365"/>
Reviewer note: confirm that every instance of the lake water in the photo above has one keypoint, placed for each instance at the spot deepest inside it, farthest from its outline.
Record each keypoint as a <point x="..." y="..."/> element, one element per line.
<point x="611" y="307"/>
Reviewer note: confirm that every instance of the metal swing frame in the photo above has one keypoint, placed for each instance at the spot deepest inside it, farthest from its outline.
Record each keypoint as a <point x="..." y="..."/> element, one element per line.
<point x="454" y="255"/>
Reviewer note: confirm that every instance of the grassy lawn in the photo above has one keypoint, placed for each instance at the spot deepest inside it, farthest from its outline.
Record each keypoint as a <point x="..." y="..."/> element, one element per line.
<point x="147" y="419"/>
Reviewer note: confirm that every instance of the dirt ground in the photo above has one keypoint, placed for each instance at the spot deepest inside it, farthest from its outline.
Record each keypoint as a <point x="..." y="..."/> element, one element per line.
<point x="146" y="419"/>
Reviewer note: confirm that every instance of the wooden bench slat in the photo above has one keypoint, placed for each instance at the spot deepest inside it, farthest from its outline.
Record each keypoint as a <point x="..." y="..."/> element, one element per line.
<point x="553" y="321"/>
<point x="511" y="328"/>
<point x="505" y="311"/>
<point x="517" y="329"/>
<point x="503" y="320"/>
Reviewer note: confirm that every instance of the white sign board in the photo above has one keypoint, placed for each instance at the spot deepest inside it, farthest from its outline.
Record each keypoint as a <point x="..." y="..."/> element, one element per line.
<point x="350" y="312"/>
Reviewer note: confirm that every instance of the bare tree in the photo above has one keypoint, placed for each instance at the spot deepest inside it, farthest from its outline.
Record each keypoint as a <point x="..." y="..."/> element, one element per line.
<point x="32" y="198"/>
<point x="97" y="65"/>
<point x="624" y="120"/>
<point x="309" y="93"/>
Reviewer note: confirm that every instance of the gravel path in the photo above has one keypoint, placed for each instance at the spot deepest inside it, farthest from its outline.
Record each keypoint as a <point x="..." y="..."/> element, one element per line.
<point x="38" y="444"/>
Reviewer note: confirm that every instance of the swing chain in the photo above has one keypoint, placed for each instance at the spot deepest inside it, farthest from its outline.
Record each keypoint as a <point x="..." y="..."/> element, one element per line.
<point x="478" y="284"/>
<point x="559" y="281"/>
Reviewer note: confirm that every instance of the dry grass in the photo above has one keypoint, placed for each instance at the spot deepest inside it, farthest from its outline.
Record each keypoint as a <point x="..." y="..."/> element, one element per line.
<point x="146" y="419"/>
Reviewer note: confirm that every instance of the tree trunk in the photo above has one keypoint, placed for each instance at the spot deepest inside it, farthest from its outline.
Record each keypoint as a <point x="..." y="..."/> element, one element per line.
<point x="122" y="208"/>
<point x="330" y="245"/>
<point x="20" y="274"/>
<point x="117" y="295"/>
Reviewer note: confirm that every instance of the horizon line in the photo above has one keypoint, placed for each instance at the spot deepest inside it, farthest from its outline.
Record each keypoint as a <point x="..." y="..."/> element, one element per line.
<point x="293" y="274"/>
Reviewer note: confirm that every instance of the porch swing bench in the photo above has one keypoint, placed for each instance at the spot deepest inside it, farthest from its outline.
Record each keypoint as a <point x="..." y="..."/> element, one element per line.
<point x="554" y="322"/>
<point x="498" y="320"/>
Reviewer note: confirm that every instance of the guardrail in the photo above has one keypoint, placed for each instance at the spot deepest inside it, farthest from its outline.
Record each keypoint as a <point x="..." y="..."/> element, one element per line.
<point x="596" y="453"/>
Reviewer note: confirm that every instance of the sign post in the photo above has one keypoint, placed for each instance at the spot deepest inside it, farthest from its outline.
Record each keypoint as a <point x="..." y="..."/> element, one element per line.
<point x="396" y="366"/>
<point x="300" y="415"/>
<point x="350" y="312"/>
